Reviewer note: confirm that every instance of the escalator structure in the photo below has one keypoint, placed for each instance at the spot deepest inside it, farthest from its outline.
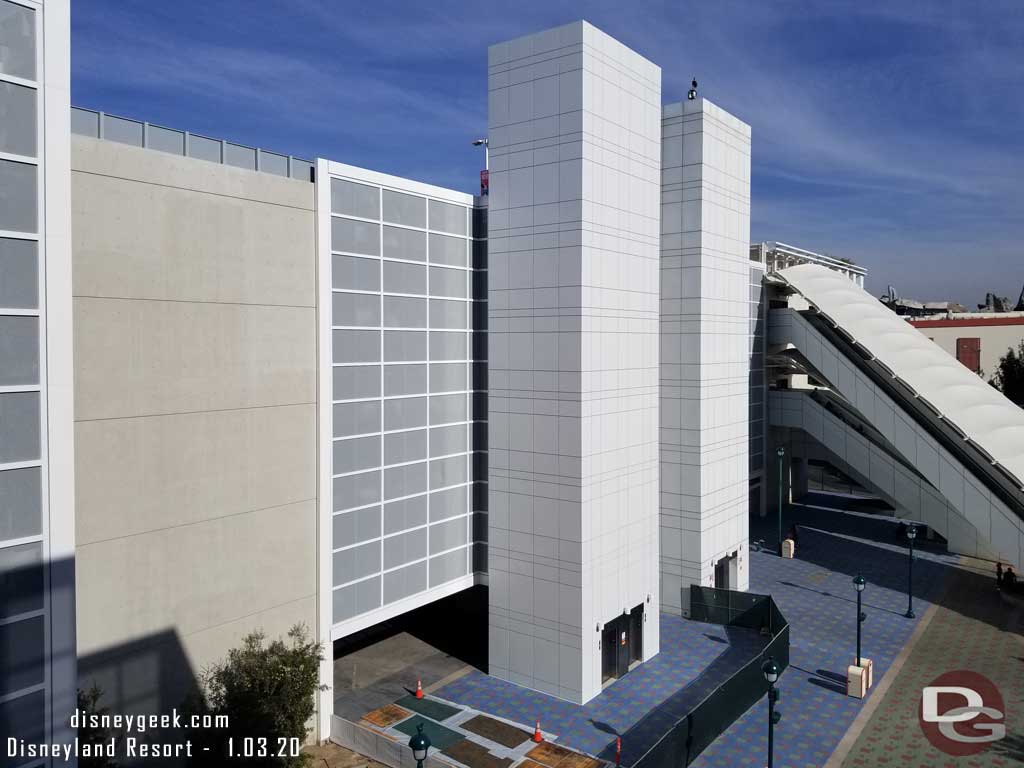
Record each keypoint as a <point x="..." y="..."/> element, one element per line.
<point x="824" y="430"/>
<point x="898" y="414"/>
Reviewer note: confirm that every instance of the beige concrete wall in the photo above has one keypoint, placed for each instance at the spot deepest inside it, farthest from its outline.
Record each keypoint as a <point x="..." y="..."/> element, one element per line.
<point x="996" y="341"/>
<point x="195" y="434"/>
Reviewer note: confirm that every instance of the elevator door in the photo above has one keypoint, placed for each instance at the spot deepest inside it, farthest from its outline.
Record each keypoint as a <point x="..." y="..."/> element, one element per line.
<point x="636" y="634"/>
<point x="622" y="643"/>
<point x="722" y="573"/>
<point x="609" y="669"/>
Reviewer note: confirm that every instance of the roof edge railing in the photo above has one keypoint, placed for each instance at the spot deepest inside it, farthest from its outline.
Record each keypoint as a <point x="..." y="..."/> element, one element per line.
<point x="777" y="256"/>
<point x="816" y="258"/>
<point x="137" y="133"/>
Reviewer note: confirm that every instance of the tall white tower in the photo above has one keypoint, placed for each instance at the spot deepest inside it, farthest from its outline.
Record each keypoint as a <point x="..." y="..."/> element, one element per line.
<point x="705" y="350"/>
<point x="574" y="131"/>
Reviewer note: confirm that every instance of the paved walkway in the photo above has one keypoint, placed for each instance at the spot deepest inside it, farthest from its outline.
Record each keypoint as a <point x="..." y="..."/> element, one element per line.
<point x="974" y="628"/>
<point x="384" y="671"/>
<point x="815" y="594"/>
<point x="641" y="707"/>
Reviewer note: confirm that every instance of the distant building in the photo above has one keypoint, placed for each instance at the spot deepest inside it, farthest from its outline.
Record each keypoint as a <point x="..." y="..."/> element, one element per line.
<point x="976" y="339"/>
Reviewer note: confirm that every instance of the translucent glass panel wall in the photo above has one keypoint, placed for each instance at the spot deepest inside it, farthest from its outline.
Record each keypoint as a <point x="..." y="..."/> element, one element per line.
<point x="402" y="394"/>
<point x="23" y="601"/>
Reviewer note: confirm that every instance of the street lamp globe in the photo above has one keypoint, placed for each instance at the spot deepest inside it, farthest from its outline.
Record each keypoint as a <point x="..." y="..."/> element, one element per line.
<point x="781" y="451"/>
<point x="859" y="583"/>
<point x="419" y="744"/>
<point x="912" y="532"/>
<point x="770" y="670"/>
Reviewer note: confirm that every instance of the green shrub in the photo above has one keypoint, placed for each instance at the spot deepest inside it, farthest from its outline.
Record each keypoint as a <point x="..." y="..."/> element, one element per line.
<point x="1009" y="375"/>
<point x="267" y="691"/>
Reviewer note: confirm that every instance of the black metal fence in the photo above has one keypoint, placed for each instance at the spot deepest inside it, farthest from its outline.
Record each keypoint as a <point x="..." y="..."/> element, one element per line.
<point x="735" y="609"/>
<point x="722" y="707"/>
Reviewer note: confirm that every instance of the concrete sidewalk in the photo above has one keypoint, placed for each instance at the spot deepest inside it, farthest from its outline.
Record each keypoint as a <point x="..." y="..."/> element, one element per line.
<point x="974" y="628"/>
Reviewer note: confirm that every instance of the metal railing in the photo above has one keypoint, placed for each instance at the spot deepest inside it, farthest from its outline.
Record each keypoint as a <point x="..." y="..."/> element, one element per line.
<point x="778" y="256"/>
<point x="693" y="733"/>
<point x="136" y="133"/>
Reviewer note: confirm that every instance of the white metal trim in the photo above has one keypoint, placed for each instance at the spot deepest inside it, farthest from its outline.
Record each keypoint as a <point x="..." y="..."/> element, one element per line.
<point x="12" y="234"/>
<point x="389" y="611"/>
<point x="15" y="80"/>
<point x="325" y="517"/>
<point x="398" y="184"/>
<point x="23" y="159"/>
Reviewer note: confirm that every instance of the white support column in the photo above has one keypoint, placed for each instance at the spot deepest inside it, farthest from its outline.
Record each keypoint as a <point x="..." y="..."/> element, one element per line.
<point x="705" y="352"/>
<point x="573" y="353"/>
<point x="325" y="698"/>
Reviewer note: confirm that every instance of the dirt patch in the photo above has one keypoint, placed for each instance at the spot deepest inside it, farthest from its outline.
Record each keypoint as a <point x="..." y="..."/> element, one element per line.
<point x="475" y="755"/>
<point x="577" y="760"/>
<point x="386" y="716"/>
<point x="496" y="731"/>
<point x="334" y="756"/>
<point x="549" y="754"/>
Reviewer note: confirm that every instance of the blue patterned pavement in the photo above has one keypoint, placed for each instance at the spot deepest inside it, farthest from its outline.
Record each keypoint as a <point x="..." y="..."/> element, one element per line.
<point x="641" y="706"/>
<point x="815" y="594"/>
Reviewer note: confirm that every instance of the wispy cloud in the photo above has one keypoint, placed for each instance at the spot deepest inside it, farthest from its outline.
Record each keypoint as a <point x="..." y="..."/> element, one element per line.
<point x="889" y="133"/>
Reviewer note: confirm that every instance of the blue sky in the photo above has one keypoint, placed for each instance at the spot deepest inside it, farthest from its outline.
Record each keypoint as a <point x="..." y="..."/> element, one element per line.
<point x="889" y="133"/>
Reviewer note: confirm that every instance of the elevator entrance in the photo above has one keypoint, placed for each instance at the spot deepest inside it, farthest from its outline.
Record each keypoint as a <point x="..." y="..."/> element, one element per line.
<point x="726" y="575"/>
<point x="622" y="644"/>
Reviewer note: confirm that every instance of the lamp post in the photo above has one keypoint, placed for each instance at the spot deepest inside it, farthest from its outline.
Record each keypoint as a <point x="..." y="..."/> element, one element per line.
<point x="781" y="453"/>
<point x="485" y="174"/>
<point x="420" y="745"/>
<point x="858" y="584"/>
<point x="487" y="151"/>
<point x="770" y="670"/>
<point x="911" y="535"/>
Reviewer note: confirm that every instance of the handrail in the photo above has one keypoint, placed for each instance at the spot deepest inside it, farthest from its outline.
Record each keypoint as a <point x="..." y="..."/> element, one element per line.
<point x="138" y="133"/>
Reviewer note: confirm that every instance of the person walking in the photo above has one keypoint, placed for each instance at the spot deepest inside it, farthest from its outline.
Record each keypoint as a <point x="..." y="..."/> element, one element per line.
<point x="999" y="575"/>
<point x="1009" y="579"/>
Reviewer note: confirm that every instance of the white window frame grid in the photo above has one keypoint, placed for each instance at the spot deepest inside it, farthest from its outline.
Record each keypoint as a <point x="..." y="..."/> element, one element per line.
<point x="467" y="391"/>
<point x="43" y="538"/>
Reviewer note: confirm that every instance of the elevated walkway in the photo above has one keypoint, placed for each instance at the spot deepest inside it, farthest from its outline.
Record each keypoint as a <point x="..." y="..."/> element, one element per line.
<point x="921" y="407"/>
<point x="829" y="434"/>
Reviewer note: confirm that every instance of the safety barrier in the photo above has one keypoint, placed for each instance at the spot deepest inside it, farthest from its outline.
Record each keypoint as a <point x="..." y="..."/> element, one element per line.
<point x="692" y="734"/>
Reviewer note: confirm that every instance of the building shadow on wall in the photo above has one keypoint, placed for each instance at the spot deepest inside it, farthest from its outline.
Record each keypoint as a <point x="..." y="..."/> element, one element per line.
<point x="149" y="676"/>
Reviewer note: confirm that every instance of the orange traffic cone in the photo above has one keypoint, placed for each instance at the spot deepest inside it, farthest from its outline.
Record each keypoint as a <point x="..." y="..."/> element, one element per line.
<point x="537" y="738"/>
<point x="419" y="689"/>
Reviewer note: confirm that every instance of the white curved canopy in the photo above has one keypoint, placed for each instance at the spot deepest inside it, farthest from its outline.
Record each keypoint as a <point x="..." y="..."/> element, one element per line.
<point x="990" y="421"/>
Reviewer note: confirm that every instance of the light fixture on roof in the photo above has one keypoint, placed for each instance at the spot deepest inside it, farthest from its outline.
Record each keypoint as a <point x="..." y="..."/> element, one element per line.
<point x="692" y="93"/>
<point x="485" y="175"/>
